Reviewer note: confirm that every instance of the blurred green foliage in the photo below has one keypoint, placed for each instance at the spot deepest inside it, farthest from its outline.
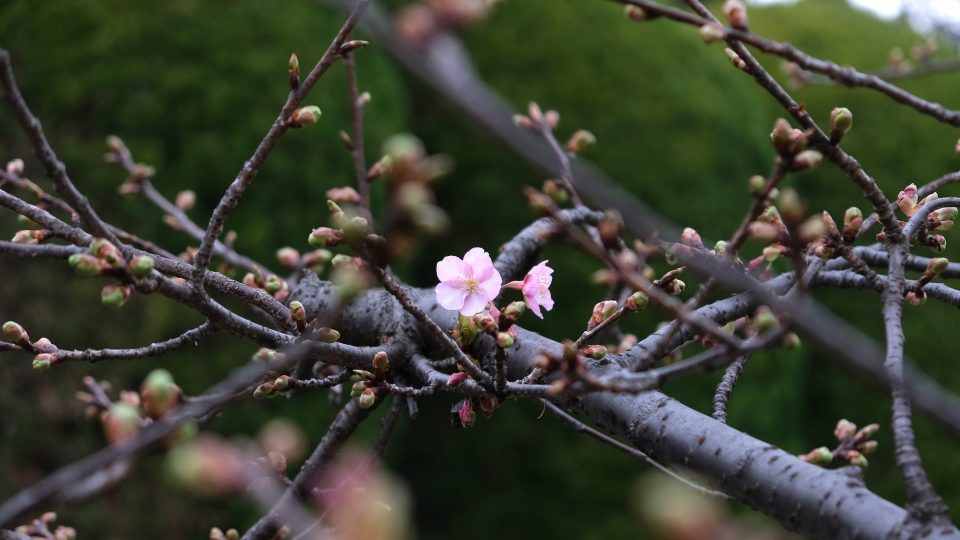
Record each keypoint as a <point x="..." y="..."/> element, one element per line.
<point x="191" y="87"/>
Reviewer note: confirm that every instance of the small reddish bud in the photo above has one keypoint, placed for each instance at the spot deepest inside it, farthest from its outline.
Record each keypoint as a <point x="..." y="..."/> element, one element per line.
<point x="916" y="297"/>
<point x="514" y="311"/>
<point x="845" y="430"/>
<point x="288" y="257"/>
<point x="852" y="221"/>
<point x="553" y="189"/>
<point x="298" y="313"/>
<point x="691" y="237"/>
<point x="456" y="378"/>
<point x="15" y="333"/>
<point x="819" y="456"/>
<point x="293" y="71"/>
<point x="610" y="228"/>
<point x="907" y="199"/>
<point x="735" y="59"/>
<point x="675" y="287"/>
<point x="486" y="322"/>
<point x="265" y="390"/>
<point x="636" y="13"/>
<point x="757" y="185"/>
<point x="343" y="195"/>
<point x="85" y="265"/>
<point x="601" y="312"/>
<point x="465" y="413"/>
<point x="504" y="340"/>
<point x="596" y="352"/>
<point x="120" y="422"/>
<point x="15" y="167"/>
<point x="580" y="140"/>
<point x="866" y="432"/>
<point x="867" y="447"/>
<point x="105" y="251"/>
<point x="43" y="361"/>
<point x="736" y="12"/>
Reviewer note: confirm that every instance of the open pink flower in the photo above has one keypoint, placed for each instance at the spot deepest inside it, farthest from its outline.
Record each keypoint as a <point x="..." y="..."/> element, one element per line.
<point x="467" y="284"/>
<point x="536" y="288"/>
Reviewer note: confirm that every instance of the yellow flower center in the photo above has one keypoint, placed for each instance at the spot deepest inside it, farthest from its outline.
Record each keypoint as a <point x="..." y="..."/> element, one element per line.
<point x="471" y="285"/>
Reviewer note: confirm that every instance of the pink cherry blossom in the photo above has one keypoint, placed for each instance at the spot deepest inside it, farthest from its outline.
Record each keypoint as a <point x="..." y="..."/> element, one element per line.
<point x="467" y="284"/>
<point x="536" y="288"/>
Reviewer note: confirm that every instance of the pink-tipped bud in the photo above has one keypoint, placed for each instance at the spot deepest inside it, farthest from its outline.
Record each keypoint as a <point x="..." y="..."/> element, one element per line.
<point x="691" y="237"/>
<point x="782" y="136"/>
<point x="601" y="312"/>
<point x="115" y="296"/>
<point x="504" y="340"/>
<point x="273" y="284"/>
<point x="819" y="456"/>
<point x="916" y="297"/>
<point x="513" y="311"/>
<point x="937" y="242"/>
<point x="866" y="432"/>
<point x="845" y="430"/>
<point x="610" y="228"/>
<point x="343" y="195"/>
<point x="159" y="394"/>
<point x="675" y="287"/>
<point x="305" y="116"/>
<point x="106" y="251"/>
<point x="325" y="237"/>
<point x="764" y="320"/>
<point x="381" y="362"/>
<point x="140" y="266"/>
<point x="486" y="323"/>
<point x="757" y="185"/>
<point x="636" y="13"/>
<point x="522" y="121"/>
<point x="465" y="413"/>
<point x="43" y="361"/>
<point x="288" y="257"/>
<point x="456" y="378"/>
<point x="735" y="59"/>
<point x="907" y="199"/>
<point x="937" y="266"/>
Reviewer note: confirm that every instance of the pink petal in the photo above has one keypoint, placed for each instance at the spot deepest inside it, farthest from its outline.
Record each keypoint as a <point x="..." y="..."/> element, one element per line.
<point x="473" y="304"/>
<point x="533" y="305"/>
<point x="479" y="260"/>
<point x="451" y="269"/>
<point x="491" y="286"/>
<point x="450" y="296"/>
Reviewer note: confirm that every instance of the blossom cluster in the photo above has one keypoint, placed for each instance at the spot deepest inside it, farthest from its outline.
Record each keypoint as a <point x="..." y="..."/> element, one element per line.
<point x="469" y="284"/>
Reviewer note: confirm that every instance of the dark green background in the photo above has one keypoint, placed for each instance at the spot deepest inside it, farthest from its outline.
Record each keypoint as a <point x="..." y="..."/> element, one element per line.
<point x="191" y="87"/>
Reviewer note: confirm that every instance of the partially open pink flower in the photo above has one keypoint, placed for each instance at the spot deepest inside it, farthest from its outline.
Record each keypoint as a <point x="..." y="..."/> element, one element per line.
<point x="467" y="284"/>
<point x="536" y="288"/>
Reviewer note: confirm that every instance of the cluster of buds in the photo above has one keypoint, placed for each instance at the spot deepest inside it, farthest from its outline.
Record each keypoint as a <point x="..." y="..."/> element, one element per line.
<point x="852" y="449"/>
<point x="916" y="295"/>
<point x="897" y="62"/>
<point x="536" y="119"/>
<point x="46" y="351"/>
<point x="923" y="52"/>
<point x="790" y="143"/>
<point x="117" y="152"/>
<point x="365" y="387"/>
<point x="769" y="227"/>
<point x="570" y="365"/>
<point x="463" y="413"/>
<point x="941" y="219"/>
<point x="273" y="284"/>
<point x="42" y="527"/>
<point x="670" y="283"/>
<point x="124" y="419"/>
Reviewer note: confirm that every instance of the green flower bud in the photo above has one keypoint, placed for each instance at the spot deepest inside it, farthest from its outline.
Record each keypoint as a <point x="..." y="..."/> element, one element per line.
<point x="381" y="362"/>
<point x="158" y="393"/>
<point x="305" y="116"/>
<point x="504" y="340"/>
<point x="273" y="284"/>
<point x="367" y="398"/>
<point x="806" y="160"/>
<point x="140" y="266"/>
<point x="637" y="301"/>
<point x="43" y="361"/>
<point x="937" y="266"/>
<point x="328" y="335"/>
<point x="841" y="120"/>
<point x="120" y="422"/>
<point x="115" y="296"/>
<point x="85" y="265"/>
<point x="819" y="456"/>
<point x="712" y="32"/>
<point x="325" y="237"/>
<point x="15" y="332"/>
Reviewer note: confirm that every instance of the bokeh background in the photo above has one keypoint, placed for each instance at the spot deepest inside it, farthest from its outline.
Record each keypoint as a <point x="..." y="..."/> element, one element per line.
<point x="192" y="85"/>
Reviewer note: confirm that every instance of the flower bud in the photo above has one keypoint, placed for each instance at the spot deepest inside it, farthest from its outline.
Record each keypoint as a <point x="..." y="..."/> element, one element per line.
<point x="104" y="250"/>
<point x="868" y="447"/>
<point x="328" y="335"/>
<point x="596" y="352"/>
<point x="610" y="228"/>
<point x="907" y="199"/>
<point x="791" y="208"/>
<point x="356" y="228"/>
<point x="15" y="333"/>
<point x="522" y="121"/>
<point x="852" y="221"/>
<point x="465" y="413"/>
<point x="115" y="296"/>
<point x="675" y="287"/>
<point x="85" y="265"/>
<point x="456" y="378"/>
<point x="140" y="266"/>
<point x="637" y="301"/>
<point x="937" y="242"/>
<point x="343" y="195"/>
<point x="288" y="257"/>
<point x="764" y="320"/>
<point x="305" y="116"/>
<point x="282" y="382"/>
<point x="858" y="459"/>
<point x="539" y="202"/>
<point x="735" y="59"/>
<point x="325" y="237"/>
<point x="866" y="432"/>
<point x="120" y="422"/>
<point x="273" y="284"/>
<point x="782" y="136"/>
<point x="580" y="140"/>
<point x="916" y="297"/>
<point x="298" y="313"/>
<point x="635" y="13"/>
<point x="158" y="393"/>
<point x="486" y="322"/>
<point x="186" y="199"/>
<point x="265" y="390"/>
<point x="757" y="185"/>
<point x="381" y="362"/>
<point x="711" y="32"/>
<point x="691" y="237"/>
<point x="601" y="312"/>
<point x="819" y="456"/>
<point x="845" y="430"/>
<point x="514" y="311"/>
<point x="841" y="120"/>
<point x="367" y="398"/>
<point x="43" y="361"/>
<point x="937" y="266"/>
<point x="358" y="388"/>
<point x="791" y="341"/>
<point x="806" y="160"/>
<point x="736" y="13"/>
<point x="504" y="340"/>
<point x="15" y="167"/>
<point x="553" y="189"/>
<point x="293" y="71"/>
